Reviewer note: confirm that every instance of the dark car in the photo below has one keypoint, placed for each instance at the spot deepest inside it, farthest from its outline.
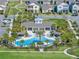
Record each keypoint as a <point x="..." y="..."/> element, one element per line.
<point x="76" y="14"/>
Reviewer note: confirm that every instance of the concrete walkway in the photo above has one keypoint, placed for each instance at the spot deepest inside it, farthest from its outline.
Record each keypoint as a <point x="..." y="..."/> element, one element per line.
<point x="70" y="24"/>
<point x="11" y="25"/>
<point x="65" y="52"/>
<point x="35" y="51"/>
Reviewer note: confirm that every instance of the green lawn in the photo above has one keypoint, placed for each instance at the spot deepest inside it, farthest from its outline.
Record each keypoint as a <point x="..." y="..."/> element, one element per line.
<point x="64" y="29"/>
<point x="13" y="4"/>
<point x="12" y="11"/>
<point x="74" y="52"/>
<point x="32" y="55"/>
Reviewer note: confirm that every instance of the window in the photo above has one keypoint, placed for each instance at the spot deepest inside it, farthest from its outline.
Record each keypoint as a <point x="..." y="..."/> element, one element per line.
<point x="52" y="28"/>
<point x="47" y="28"/>
<point x="38" y="2"/>
<point x="29" y="28"/>
<point x="35" y="6"/>
<point x="27" y="2"/>
<point x="51" y="2"/>
<point x="41" y="2"/>
<point x="30" y="6"/>
<point x="55" y="2"/>
<point x="76" y="0"/>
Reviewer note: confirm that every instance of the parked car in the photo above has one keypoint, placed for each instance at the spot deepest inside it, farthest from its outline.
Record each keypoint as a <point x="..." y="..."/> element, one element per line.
<point x="75" y="14"/>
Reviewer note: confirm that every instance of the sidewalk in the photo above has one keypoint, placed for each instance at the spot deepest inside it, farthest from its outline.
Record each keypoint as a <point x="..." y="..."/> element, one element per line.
<point x="65" y="52"/>
<point x="72" y="29"/>
<point x="35" y="51"/>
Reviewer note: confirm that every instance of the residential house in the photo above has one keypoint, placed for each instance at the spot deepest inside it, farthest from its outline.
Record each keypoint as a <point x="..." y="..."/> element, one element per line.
<point x="46" y="8"/>
<point x="45" y="5"/>
<point x="3" y="2"/>
<point x="77" y="2"/>
<point x="32" y="7"/>
<point x="75" y="9"/>
<point x="63" y="7"/>
<point x="3" y="5"/>
<point x="48" y="5"/>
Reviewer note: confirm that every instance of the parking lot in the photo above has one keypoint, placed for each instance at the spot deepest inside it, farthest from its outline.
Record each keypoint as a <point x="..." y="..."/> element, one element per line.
<point x="3" y="29"/>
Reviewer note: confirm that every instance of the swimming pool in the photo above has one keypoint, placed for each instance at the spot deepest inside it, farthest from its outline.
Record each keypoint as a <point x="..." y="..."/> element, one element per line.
<point x="30" y="41"/>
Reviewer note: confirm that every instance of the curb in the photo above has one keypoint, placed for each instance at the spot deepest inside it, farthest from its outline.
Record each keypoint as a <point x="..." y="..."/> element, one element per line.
<point x="65" y="52"/>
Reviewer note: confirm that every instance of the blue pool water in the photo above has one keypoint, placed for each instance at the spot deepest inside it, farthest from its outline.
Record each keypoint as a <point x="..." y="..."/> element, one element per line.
<point x="32" y="40"/>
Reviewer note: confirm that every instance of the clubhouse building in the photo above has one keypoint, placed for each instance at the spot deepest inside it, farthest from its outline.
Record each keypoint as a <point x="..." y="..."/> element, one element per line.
<point x="37" y="25"/>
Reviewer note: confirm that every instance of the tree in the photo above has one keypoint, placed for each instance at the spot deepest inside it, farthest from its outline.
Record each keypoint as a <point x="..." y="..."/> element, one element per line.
<point x="40" y="34"/>
<point x="78" y="42"/>
<point x="5" y="35"/>
<point x="1" y="39"/>
<point x="56" y="43"/>
<point x="26" y="34"/>
<point x="51" y="33"/>
<point x="22" y="41"/>
<point x="14" y="35"/>
<point x="11" y="39"/>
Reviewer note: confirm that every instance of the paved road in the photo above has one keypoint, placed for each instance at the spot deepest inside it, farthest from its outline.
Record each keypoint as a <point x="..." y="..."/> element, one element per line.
<point x="2" y="29"/>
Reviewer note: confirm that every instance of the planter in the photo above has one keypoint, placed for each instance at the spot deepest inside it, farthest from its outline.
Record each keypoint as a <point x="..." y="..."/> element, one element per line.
<point x="41" y="49"/>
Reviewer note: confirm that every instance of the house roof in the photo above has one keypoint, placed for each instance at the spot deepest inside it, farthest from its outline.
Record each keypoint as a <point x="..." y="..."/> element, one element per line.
<point x="75" y="7"/>
<point x="33" y="25"/>
<point x="37" y="0"/>
<point x="64" y="4"/>
<point x="38" y="18"/>
<point x="2" y="2"/>
<point x="2" y="7"/>
<point x="31" y="4"/>
<point x="46" y="6"/>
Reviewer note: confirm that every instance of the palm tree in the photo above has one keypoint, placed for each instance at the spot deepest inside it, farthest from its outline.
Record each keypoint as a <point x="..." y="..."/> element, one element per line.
<point x="78" y="42"/>
<point x="11" y="39"/>
<point x="40" y="34"/>
<point x="55" y="43"/>
<point x="22" y="41"/>
<point x="51" y="33"/>
<point x="15" y="35"/>
<point x="26" y="34"/>
<point x="5" y="35"/>
<point x="1" y="39"/>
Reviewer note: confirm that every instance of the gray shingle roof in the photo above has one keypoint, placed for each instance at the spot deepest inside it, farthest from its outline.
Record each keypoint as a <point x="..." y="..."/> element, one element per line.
<point x="46" y="6"/>
<point x="33" y="25"/>
<point x="3" y="2"/>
